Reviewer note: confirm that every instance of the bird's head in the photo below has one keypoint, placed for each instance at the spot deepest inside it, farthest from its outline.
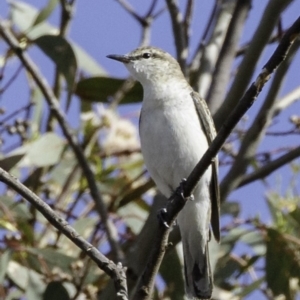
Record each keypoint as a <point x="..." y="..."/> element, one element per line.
<point x="150" y="65"/>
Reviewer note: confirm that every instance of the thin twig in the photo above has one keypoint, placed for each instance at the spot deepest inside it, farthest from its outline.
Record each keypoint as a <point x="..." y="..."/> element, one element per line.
<point x="178" y="32"/>
<point x="255" y="133"/>
<point x="221" y="75"/>
<point x="187" y="20"/>
<point x="270" y="167"/>
<point x="246" y="69"/>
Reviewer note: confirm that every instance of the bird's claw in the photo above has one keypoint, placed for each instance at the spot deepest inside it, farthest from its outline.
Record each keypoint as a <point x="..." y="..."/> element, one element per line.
<point x="180" y="191"/>
<point x="161" y="216"/>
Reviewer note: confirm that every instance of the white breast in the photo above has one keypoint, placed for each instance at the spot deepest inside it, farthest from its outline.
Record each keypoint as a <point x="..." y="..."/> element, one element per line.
<point x="172" y="140"/>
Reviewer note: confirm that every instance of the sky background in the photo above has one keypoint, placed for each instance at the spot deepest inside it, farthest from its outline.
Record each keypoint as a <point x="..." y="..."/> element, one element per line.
<point x="104" y="27"/>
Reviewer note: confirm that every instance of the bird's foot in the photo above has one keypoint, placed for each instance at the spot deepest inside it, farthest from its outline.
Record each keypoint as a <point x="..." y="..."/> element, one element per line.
<point x="162" y="217"/>
<point x="180" y="191"/>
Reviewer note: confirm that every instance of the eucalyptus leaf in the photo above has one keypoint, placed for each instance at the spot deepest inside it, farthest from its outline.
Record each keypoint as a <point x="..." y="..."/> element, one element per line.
<point x="171" y="272"/>
<point x="56" y="290"/>
<point x="61" y="53"/>
<point x="4" y="260"/>
<point x="20" y="276"/>
<point x="23" y="15"/>
<point x="251" y="287"/>
<point x="231" y="208"/>
<point x="45" y="12"/>
<point x="45" y="151"/>
<point x="9" y="162"/>
<point x="101" y="89"/>
<point x="282" y="262"/>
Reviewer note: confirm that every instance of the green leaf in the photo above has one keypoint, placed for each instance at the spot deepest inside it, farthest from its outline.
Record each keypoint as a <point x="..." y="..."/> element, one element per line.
<point x="21" y="276"/>
<point x="251" y="288"/>
<point x="171" y="272"/>
<point x="62" y="54"/>
<point x="56" y="290"/>
<point x="9" y="162"/>
<point x="256" y="241"/>
<point x="100" y="89"/>
<point x="52" y="257"/>
<point x="34" y="289"/>
<point x="46" y="151"/>
<point x="45" y="12"/>
<point x="282" y="262"/>
<point x="4" y="260"/>
<point x="19" y="210"/>
<point x="231" y="208"/>
<point x="24" y="15"/>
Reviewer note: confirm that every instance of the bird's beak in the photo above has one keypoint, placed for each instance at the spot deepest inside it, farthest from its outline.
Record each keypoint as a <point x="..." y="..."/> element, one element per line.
<point x="122" y="58"/>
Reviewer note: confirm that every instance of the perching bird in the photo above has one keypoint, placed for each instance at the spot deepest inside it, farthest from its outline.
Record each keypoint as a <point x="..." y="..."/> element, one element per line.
<point x="175" y="130"/>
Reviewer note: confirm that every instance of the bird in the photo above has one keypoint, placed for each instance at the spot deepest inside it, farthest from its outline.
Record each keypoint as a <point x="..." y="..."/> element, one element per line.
<point x="176" y="129"/>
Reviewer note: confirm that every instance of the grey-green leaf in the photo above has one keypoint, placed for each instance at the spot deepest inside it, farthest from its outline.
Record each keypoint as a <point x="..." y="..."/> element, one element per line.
<point x="4" y="260"/>
<point x="24" y="15"/>
<point x="45" y="151"/>
<point x="62" y="54"/>
<point x="45" y="12"/>
<point x="56" y="290"/>
<point x="100" y="89"/>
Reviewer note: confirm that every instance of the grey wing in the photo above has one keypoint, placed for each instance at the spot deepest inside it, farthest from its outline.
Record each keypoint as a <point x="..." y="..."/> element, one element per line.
<point x="210" y="132"/>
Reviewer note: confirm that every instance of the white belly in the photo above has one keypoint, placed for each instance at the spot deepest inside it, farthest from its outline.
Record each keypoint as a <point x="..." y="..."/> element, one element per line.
<point x="172" y="143"/>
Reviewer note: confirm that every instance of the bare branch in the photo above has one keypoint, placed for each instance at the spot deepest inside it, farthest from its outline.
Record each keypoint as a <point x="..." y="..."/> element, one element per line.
<point x="270" y="167"/>
<point x="260" y="39"/>
<point x="287" y="100"/>
<point x="222" y="70"/>
<point x="131" y="11"/>
<point x="72" y="139"/>
<point x="203" y="75"/>
<point x="116" y="272"/>
<point x="188" y="19"/>
<point x="257" y="130"/>
<point x="195" y="63"/>
<point x="179" y="35"/>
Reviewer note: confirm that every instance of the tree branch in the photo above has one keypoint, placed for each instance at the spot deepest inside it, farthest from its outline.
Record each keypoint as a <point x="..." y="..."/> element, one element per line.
<point x="72" y="139"/>
<point x="258" y="128"/>
<point x="116" y="272"/>
<point x="221" y="76"/>
<point x="245" y="71"/>
<point x="175" y="202"/>
<point x="270" y="167"/>
<point x="204" y="74"/>
<point x="179" y="35"/>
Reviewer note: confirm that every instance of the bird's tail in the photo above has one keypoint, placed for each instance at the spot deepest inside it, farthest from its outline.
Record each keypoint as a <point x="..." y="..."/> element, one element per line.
<point x="198" y="276"/>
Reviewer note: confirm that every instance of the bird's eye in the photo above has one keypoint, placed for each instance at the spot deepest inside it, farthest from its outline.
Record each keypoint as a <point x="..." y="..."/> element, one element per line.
<point x="146" y="55"/>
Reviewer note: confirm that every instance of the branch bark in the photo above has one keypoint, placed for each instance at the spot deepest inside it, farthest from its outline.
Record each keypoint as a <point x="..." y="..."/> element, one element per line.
<point x="270" y="167"/>
<point x="221" y="76"/>
<point x="245" y="71"/>
<point x="257" y="130"/>
<point x="179" y="34"/>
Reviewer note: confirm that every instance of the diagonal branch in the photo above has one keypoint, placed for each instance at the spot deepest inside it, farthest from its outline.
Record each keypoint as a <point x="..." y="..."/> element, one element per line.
<point x="270" y="167"/>
<point x="72" y="139"/>
<point x="258" y="128"/>
<point x="179" y="35"/>
<point x="260" y="39"/>
<point x="175" y="203"/>
<point x="116" y="272"/>
<point x="221" y="75"/>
